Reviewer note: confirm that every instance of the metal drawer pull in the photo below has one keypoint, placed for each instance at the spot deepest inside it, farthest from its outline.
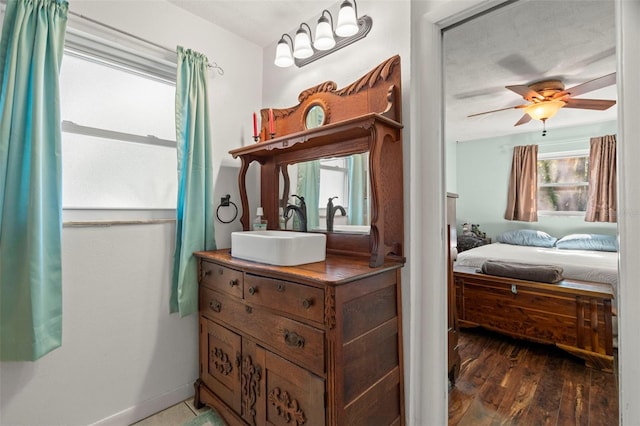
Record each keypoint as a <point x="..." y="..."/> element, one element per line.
<point x="249" y="309"/>
<point x="207" y="272"/>
<point x="215" y="305"/>
<point x="280" y="287"/>
<point x="220" y="271"/>
<point x="514" y="289"/>
<point x="293" y="339"/>
<point x="233" y="283"/>
<point x="306" y="303"/>
<point x="252" y="290"/>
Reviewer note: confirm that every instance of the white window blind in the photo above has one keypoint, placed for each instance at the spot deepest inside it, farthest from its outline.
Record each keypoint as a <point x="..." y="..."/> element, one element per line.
<point x="118" y="121"/>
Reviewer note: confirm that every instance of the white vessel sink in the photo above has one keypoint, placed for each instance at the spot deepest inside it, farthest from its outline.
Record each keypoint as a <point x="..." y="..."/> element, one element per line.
<point x="282" y="248"/>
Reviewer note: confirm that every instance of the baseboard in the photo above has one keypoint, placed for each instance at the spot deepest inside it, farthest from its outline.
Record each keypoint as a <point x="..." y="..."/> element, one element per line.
<point x="147" y="408"/>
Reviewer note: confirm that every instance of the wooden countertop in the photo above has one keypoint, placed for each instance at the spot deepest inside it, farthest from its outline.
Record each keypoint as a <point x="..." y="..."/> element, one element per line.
<point x="335" y="270"/>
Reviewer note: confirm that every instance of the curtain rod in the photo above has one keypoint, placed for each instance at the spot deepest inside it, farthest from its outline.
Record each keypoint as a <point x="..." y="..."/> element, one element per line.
<point x="212" y="65"/>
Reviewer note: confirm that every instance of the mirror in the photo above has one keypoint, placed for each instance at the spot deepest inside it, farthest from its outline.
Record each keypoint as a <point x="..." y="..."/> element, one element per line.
<point x="315" y="117"/>
<point x="343" y="179"/>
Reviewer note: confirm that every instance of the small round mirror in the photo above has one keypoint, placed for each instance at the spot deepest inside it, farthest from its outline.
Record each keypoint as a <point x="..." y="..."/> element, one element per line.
<point x="315" y="117"/>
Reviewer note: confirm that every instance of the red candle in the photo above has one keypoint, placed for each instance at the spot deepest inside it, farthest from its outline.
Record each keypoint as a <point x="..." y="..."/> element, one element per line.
<point x="255" y="125"/>
<point x="271" y="121"/>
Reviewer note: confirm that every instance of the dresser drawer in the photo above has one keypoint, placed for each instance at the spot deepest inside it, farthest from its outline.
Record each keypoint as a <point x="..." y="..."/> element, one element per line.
<point x="293" y="299"/>
<point x="221" y="278"/>
<point x="291" y="339"/>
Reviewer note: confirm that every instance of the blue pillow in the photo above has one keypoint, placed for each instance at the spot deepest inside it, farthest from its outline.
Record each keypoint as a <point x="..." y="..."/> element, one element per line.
<point x="588" y="242"/>
<point x="527" y="237"/>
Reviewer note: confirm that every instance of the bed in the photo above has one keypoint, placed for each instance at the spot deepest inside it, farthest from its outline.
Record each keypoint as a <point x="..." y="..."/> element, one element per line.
<point x="576" y="313"/>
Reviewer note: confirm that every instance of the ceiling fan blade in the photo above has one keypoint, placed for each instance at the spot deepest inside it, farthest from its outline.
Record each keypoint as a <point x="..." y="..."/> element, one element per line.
<point x="599" y="104"/>
<point x="525" y="91"/>
<point x="589" y="86"/>
<point x="496" y="110"/>
<point x="525" y="119"/>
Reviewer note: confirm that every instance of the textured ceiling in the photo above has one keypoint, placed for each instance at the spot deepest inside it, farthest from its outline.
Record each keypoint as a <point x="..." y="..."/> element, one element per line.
<point x="527" y="41"/>
<point x="523" y="42"/>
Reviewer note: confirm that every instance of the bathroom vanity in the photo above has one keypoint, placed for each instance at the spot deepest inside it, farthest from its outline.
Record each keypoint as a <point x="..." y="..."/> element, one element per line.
<point x="317" y="343"/>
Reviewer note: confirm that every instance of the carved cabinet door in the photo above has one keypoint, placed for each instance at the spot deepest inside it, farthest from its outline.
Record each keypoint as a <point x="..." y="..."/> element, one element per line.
<point x="220" y="359"/>
<point x="294" y="396"/>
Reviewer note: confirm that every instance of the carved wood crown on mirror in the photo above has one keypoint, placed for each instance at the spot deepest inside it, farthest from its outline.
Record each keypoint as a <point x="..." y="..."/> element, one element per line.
<point x="364" y="116"/>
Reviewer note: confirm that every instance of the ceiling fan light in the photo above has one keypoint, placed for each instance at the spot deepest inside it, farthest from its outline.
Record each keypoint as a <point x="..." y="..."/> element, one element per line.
<point x="302" y="45"/>
<point x="324" y="35"/>
<point x="283" y="54"/>
<point x="544" y="110"/>
<point x="347" y="20"/>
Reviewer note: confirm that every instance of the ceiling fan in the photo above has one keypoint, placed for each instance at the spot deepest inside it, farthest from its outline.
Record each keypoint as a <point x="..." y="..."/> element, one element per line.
<point x="547" y="97"/>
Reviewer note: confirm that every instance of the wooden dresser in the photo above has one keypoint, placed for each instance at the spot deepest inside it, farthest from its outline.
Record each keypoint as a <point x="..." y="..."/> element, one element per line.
<point x="319" y="343"/>
<point x="573" y="315"/>
<point x="315" y="344"/>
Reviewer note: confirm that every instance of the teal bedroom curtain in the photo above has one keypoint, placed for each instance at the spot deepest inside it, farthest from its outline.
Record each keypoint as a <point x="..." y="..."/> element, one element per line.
<point x="357" y="189"/>
<point x="195" y="209"/>
<point x="30" y="179"/>
<point x="309" y="187"/>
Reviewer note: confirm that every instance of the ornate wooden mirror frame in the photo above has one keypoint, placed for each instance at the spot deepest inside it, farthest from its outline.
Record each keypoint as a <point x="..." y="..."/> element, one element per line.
<point x="365" y="116"/>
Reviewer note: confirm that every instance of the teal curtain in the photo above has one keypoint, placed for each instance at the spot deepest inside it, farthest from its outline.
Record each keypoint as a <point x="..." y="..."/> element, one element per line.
<point x="195" y="208"/>
<point x="309" y="187"/>
<point x="356" y="168"/>
<point x="30" y="179"/>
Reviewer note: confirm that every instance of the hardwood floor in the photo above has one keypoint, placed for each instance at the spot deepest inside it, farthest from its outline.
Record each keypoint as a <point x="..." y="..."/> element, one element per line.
<point x="504" y="381"/>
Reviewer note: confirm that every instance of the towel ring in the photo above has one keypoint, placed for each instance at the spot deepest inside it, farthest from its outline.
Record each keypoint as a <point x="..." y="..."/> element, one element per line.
<point x="226" y="202"/>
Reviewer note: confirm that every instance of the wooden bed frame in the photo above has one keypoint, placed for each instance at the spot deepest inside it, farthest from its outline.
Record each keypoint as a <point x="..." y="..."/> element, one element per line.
<point x="576" y="316"/>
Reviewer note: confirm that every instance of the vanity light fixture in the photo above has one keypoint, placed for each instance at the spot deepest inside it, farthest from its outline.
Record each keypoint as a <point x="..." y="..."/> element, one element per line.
<point x="303" y="49"/>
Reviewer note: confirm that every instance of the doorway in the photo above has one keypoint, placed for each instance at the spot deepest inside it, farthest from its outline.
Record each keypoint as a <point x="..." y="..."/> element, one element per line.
<point x="502" y="47"/>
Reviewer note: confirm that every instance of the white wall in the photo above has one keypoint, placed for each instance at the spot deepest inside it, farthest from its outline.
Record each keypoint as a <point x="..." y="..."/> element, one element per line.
<point x="123" y="356"/>
<point x="389" y="36"/>
<point x="628" y="31"/>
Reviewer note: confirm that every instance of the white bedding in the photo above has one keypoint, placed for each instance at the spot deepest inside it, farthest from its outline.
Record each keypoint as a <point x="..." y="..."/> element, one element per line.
<point x="584" y="265"/>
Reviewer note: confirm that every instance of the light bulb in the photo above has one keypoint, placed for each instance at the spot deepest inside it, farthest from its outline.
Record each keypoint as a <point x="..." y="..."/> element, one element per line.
<point x="544" y="110"/>
<point x="302" y="45"/>
<point x="283" y="54"/>
<point x="347" y="21"/>
<point x="324" y="35"/>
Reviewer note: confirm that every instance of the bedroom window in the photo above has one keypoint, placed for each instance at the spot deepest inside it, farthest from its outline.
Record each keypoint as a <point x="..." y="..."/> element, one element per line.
<point x="563" y="183"/>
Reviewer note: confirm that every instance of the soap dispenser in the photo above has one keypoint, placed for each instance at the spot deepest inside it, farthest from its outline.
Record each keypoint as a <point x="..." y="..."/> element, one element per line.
<point x="259" y="224"/>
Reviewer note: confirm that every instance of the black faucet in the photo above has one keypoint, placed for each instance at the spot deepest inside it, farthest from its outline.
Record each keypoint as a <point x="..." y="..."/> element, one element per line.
<point x="331" y="212"/>
<point x="301" y="210"/>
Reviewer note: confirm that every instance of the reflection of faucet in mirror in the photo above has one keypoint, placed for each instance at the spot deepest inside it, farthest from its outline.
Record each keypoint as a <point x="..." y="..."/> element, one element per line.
<point x="331" y="212"/>
<point x="301" y="211"/>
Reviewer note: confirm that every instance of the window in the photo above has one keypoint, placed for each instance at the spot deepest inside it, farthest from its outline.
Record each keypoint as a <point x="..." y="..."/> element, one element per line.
<point x="118" y="140"/>
<point x="334" y="181"/>
<point x="563" y="183"/>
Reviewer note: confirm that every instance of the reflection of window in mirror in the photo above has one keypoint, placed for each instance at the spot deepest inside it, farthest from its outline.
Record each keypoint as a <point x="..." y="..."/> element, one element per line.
<point x="334" y="183"/>
<point x="315" y="117"/>
<point x="346" y="178"/>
